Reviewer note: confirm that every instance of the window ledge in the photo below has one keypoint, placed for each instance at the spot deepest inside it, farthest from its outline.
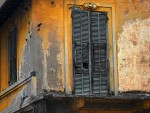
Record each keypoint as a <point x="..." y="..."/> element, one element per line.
<point x="14" y="86"/>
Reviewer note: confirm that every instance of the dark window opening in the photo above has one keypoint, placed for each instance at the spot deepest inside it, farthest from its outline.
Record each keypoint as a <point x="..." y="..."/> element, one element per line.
<point x="89" y="35"/>
<point x="13" y="56"/>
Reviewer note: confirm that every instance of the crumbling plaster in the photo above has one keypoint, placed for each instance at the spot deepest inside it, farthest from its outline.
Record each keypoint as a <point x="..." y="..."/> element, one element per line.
<point x="134" y="56"/>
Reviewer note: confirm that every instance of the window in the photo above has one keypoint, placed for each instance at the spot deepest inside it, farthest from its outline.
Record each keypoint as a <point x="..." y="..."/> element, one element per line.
<point x="90" y="70"/>
<point x="13" y="56"/>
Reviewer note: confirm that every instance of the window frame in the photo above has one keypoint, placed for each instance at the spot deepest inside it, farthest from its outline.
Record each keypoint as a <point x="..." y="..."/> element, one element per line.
<point x="112" y="47"/>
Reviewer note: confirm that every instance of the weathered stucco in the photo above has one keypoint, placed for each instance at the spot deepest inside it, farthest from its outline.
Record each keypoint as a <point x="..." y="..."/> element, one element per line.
<point x="131" y="10"/>
<point x="48" y="27"/>
<point x="134" y="56"/>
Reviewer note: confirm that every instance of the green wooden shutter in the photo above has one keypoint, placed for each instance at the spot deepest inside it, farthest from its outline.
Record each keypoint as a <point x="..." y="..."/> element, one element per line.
<point x="81" y="36"/>
<point x="90" y="52"/>
<point x="99" y="50"/>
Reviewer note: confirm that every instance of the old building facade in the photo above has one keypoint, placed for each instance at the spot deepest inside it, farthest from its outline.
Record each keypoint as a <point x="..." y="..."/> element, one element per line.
<point x="75" y="56"/>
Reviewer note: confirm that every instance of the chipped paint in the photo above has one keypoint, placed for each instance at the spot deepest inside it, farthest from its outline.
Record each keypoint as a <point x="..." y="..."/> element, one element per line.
<point x="26" y="63"/>
<point x="50" y="32"/>
<point x="134" y="56"/>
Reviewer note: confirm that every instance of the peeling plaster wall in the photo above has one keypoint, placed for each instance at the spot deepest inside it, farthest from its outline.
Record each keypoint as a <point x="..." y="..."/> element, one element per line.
<point x="134" y="56"/>
<point x="133" y="45"/>
<point x="127" y="10"/>
<point x="48" y="38"/>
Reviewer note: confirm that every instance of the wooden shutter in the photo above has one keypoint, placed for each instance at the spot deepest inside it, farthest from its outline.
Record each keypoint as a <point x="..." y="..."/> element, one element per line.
<point x="90" y="52"/>
<point x="99" y="53"/>
<point x="81" y="36"/>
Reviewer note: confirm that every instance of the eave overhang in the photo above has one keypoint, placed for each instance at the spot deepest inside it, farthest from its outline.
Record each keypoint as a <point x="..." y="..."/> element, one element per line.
<point x="7" y="9"/>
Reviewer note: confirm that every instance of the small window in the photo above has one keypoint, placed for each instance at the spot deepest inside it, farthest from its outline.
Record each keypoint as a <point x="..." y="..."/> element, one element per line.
<point x="13" y="56"/>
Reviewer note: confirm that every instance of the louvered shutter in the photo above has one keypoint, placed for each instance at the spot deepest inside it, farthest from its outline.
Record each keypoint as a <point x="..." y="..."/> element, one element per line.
<point x="90" y="52"/>
<point x="99" y="50"/>
<point x="81" y="38"/>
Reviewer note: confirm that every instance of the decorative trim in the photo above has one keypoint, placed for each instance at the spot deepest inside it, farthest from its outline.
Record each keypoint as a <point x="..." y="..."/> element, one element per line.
<point x="89" y="5"/>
